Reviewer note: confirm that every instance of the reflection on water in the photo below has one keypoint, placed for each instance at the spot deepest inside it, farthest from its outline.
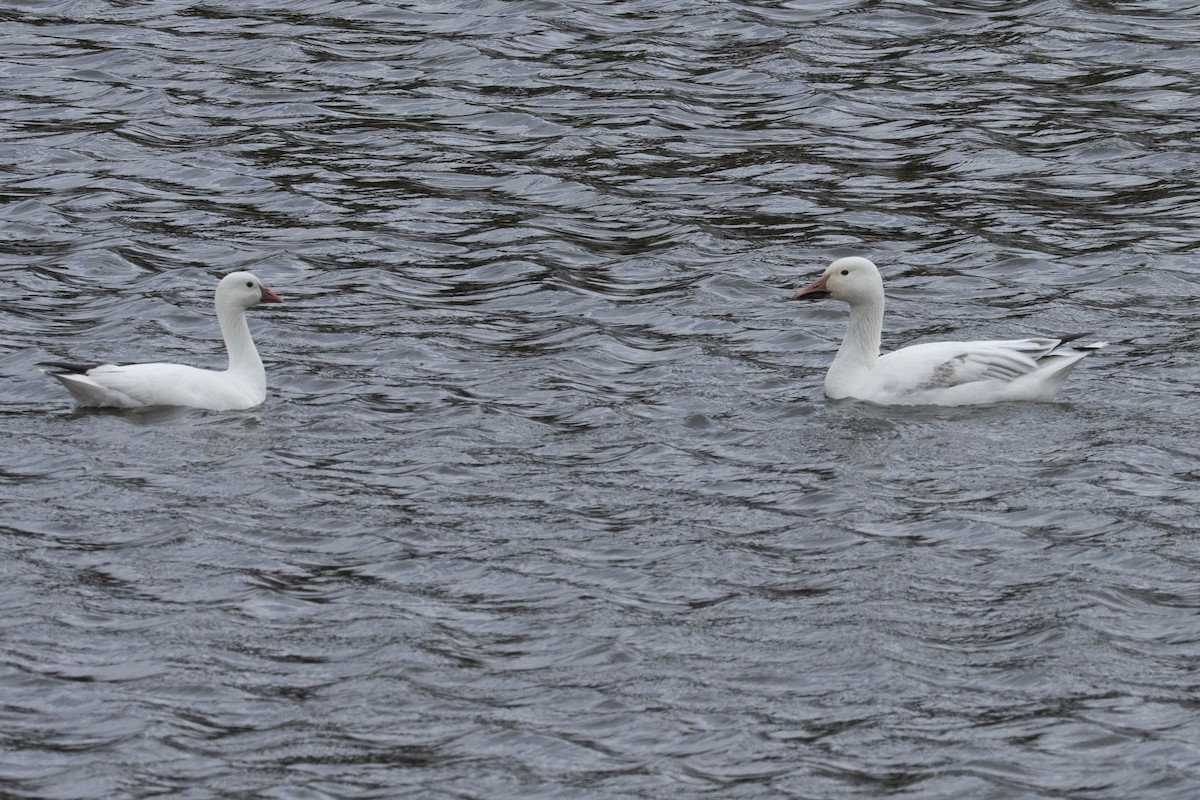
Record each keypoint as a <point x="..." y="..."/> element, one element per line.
<point x="545" y="500"/>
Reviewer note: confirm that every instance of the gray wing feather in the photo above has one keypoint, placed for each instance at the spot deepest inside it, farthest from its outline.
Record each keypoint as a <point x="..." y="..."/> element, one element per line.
<point x="999" y="361"/>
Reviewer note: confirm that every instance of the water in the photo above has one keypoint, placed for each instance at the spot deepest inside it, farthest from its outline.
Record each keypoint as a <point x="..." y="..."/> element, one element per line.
<point x="545" y="500"/>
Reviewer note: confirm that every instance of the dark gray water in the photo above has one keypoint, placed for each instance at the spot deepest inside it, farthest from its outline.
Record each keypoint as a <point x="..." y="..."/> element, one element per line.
<point x="545" y="500"/>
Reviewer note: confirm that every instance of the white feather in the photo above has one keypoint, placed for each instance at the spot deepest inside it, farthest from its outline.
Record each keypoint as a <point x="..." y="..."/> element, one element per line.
<point x="938" y="373"/>
<point x="242" y="385"/>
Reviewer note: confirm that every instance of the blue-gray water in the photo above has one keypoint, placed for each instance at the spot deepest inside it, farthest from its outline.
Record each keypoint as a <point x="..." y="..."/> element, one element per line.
<point x="545" y="501"/>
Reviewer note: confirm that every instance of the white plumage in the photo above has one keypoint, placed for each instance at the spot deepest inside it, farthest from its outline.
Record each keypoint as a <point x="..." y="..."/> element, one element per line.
<point x="242" y="385"/>
<point x="938" y="373"/>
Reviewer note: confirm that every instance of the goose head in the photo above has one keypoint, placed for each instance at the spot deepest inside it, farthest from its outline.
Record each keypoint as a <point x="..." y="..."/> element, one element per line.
<point x="852" y="280"/>
<point x="242" y="290"/>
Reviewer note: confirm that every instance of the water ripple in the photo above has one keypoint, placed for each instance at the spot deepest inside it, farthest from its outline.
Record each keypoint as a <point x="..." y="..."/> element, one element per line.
<point x="545" y="499"/>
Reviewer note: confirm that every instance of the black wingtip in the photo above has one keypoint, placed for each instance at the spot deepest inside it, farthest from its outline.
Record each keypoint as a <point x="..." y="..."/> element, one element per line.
<point x="1067" y="341"/>
<point x="65" y="368"/>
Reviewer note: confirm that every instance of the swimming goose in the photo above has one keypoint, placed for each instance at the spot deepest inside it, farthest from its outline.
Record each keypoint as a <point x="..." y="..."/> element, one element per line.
<point x="938" y="373"/>
<point x="242" y="385"/>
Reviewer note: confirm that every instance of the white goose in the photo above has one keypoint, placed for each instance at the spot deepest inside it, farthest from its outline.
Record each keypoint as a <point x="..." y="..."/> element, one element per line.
<point x="242" y="385"/>
<point x="938" y="373"/>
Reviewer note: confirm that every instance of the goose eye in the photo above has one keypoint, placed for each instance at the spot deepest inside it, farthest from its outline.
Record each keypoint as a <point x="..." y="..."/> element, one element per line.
<point x="250" y="284"/>
<point x="845" y="272"/>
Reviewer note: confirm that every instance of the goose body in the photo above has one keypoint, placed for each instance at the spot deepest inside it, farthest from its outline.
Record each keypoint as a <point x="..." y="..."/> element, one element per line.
<point x="937" y="373"/>
<point x="243" y="384"/>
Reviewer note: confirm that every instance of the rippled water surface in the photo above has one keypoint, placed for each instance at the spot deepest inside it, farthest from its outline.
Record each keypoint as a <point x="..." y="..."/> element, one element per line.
<point x="545" y="500"/>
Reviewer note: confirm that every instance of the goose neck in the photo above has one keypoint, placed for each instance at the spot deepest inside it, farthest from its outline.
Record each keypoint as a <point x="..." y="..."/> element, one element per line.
<point x="860" y="347"/>
<point x="243" y="355"/>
